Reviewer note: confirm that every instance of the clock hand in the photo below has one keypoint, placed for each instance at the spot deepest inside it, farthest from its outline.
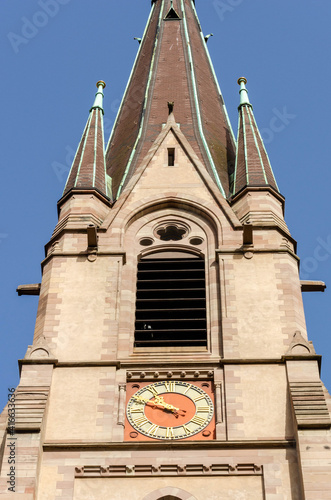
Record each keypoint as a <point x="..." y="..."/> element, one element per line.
<point x="159" y="403"/>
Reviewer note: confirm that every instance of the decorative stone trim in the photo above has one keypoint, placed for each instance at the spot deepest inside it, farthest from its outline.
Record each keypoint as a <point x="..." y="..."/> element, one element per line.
<point x="76" y="222"/>
<point x="96" y="471"/>
<point x="164" y="374"/>
<point x="264" y="219"/>
<point x="121" y="405"/>
<point x="171" y="231"/>
<point x="39" y="351"/>
<point x="218" y="401"/>
<point x="309" y="405"/>
<point x="300" y="346"/>
<point x="30" y="404"/>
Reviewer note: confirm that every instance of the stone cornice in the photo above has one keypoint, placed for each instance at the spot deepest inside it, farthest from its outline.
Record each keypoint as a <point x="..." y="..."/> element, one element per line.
<point x="86" y="254"/>
<point x="59" y="445"/>
<point x="145" y="365"/>
<point x="252" y="249"/>
<point x="249" y="189"/>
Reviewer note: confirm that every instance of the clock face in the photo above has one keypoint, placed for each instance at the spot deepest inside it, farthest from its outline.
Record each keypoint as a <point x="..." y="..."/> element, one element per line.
<point x="170" y="410"/>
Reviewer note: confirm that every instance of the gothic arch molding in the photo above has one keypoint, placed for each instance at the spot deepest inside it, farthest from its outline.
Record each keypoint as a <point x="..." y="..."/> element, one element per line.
<point x="144" y="221"/>
<point x="183" y="203"/>
<point x="180" y="248"/>
<point x="170" y="493"/>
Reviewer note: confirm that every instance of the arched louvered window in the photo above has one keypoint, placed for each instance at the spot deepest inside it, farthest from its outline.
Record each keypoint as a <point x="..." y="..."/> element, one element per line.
<point x="169" y="497"/>
<point x="171" y="301"/>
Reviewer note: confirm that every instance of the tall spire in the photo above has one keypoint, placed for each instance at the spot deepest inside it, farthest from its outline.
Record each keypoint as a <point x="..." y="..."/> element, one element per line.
<point x="253" y="167"/>
<point x="88" y="169"/>
<point x="172" y="64"/>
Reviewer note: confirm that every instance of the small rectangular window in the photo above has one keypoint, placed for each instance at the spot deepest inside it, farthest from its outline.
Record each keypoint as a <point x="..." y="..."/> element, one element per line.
<point x="171" y="157"/>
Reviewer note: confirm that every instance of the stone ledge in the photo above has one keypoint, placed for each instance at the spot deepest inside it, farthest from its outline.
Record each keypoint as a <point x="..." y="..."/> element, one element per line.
<point x="149" y="445"/>
<point x="33" y="289"/>
<point x="312" y="286"/>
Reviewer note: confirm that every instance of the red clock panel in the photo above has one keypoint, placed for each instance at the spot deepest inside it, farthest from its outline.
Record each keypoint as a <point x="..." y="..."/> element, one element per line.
<point x="170" y="410"/>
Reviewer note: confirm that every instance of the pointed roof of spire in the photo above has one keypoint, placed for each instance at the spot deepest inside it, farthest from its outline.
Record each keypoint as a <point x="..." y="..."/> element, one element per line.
<point x="88" y="169"/>
<point x="172" y="64"/>
<point x="253" y="167"/>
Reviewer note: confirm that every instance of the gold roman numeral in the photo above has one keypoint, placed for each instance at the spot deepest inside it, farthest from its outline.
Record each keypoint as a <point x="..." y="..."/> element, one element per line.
<point x="188" y="388"/>
<point x="153" y="390"/>
<point x="198" y="420"/>
<point x="186" y="430"/>
<point x="153" y="430"/>
<point x="170" y="433"/>
<point x="170" y="386"/>
<point x="141" y="421"/>
<point x="203" y="409"/>
<point x="137" y="410"/>
<point x="199" y="398"/>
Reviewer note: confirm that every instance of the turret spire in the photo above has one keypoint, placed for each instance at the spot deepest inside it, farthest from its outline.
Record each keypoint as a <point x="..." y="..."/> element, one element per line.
<point x="253" y="167"/>
<point x="88" y="169"/>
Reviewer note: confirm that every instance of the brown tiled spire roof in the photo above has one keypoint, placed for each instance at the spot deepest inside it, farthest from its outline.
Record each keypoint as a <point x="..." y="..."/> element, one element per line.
<point x="253" y="167"/>
<point x="88" y="169"/>
<point x="173" y="65"/>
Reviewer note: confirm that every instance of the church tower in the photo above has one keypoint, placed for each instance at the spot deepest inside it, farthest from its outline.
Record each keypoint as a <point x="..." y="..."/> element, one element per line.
<point x="170" y="359"/>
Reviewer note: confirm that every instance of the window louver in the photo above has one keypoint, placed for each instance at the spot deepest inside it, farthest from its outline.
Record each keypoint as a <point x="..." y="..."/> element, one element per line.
<point x="171" y="303"/>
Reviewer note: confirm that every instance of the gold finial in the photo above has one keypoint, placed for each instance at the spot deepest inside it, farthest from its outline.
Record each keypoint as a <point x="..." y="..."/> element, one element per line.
<point x="101" y="82"/>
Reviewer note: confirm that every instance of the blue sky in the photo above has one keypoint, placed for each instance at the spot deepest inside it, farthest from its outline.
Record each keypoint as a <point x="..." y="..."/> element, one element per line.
<point x="54" y="51"/>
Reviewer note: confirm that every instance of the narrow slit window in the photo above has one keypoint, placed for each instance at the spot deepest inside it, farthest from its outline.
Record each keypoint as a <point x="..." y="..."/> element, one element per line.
<point x="171" y="157"/>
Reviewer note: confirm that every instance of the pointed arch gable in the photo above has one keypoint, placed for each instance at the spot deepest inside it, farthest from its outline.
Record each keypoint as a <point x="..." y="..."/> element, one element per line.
<point x="182" y="202"/>
<point x="218" y="199"/>
<point x="170" y="493"/>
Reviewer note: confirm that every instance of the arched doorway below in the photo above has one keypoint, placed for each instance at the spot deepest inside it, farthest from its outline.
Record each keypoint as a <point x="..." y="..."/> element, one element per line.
<point x="170" y="493"/>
